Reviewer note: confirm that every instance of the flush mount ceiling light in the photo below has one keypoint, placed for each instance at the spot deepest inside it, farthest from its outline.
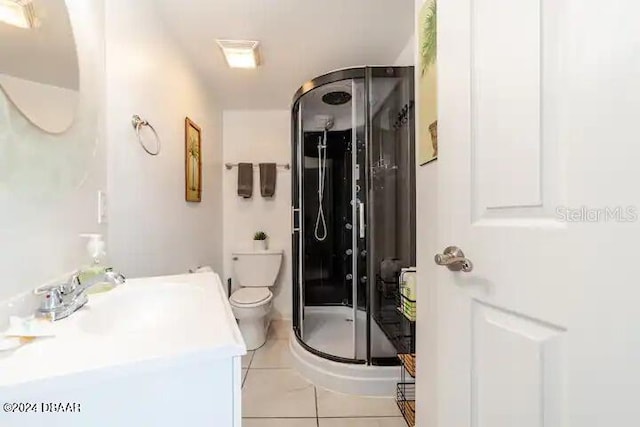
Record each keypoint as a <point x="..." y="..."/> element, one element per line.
<point x="19" y="13"/>
<point x="240" y="53"/>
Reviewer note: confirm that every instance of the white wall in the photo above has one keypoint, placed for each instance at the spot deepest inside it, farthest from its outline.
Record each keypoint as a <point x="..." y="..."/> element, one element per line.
<point x="48" y="183"/>
<point x="427" y="246"/>
<point x="259" y="136"/>
<point x="152" y="229"/>
<point x="408" y="55"/>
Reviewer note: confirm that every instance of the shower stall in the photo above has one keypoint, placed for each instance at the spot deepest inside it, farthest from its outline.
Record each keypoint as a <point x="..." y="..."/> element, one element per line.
<point x="353" y="216"/>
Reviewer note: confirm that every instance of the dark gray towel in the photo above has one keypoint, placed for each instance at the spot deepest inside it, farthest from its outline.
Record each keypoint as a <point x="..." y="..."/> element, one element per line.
<point x="245" y="180"/>
<point x="268" y="176"/>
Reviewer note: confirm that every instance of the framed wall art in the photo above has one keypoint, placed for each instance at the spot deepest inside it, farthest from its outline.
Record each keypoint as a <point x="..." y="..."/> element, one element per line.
<point x="193" y="161"/>
<point x="428" y="83"/>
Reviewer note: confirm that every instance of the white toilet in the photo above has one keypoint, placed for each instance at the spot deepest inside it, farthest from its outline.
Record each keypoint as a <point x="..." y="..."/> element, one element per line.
<point x="251" y="304"/>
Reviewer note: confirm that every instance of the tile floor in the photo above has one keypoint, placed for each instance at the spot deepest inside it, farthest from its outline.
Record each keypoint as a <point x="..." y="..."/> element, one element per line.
<point x="274" y="395"/>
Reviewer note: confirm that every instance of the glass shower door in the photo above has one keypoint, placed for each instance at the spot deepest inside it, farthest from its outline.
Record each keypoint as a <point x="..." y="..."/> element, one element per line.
<point x="360" y="176"/>
<point x="328" y="191"/>
<point x="296" y="226"/>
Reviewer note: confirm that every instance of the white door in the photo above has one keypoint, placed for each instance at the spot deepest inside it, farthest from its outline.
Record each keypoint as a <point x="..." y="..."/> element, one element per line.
<point x="539" y="179"/>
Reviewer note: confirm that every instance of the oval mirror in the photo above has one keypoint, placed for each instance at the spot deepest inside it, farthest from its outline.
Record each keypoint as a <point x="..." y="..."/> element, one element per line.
<point x="38" y="62"/>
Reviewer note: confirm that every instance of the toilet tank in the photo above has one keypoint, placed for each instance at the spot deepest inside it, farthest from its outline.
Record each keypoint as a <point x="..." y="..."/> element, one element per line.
<point x="256" y="269"/>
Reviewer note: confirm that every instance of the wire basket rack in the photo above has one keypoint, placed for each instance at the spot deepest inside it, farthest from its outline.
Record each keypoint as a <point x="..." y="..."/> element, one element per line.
<point x="406" y="399"/>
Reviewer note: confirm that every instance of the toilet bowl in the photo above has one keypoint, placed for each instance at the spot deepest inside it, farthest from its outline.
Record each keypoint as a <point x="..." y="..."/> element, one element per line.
<point x="252" y="313"/>
<point x="256" y="272"/>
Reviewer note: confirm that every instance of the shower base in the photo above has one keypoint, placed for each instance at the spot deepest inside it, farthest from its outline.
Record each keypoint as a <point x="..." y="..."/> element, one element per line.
<point x="329" y="330"/>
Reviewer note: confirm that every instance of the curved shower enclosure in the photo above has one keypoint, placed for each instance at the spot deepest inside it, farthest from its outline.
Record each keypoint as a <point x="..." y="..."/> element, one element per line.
<point x="353" y="209"/>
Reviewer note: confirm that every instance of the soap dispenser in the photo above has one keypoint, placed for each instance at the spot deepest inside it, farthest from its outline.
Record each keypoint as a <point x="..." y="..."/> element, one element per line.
<point x="96" y="249"/>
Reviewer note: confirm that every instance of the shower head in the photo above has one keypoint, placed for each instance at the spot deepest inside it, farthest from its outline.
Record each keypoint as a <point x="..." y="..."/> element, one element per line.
<point x="328" y="124"/>
<point x="324" y="122"/>
<point x="336" y="98"/>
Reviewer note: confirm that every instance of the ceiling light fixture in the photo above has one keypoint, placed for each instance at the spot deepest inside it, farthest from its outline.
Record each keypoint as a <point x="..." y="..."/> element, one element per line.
<point x="19" y="13"/>
<point x="240" y="53"/>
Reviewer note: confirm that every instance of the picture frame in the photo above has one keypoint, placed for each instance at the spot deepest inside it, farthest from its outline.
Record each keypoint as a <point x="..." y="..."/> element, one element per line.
<point x="193" y="161"/>
<point x="427" y="132"/>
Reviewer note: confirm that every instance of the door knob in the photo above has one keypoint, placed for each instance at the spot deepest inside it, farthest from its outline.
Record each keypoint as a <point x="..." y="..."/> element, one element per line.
<point x="454" y="259"/>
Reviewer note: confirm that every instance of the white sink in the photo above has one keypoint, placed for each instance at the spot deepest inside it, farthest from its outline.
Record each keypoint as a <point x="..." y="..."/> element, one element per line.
<point x="143" y="309"/>
<point x="144" y="319"/>
<point x="136" y="355"/>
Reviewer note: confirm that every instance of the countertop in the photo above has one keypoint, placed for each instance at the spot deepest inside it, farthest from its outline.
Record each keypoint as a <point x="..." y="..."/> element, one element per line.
<point x="195" y="327"/>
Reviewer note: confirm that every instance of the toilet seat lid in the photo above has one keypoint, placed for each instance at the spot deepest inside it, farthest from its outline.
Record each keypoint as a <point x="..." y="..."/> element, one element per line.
<point x="250" y="296"/>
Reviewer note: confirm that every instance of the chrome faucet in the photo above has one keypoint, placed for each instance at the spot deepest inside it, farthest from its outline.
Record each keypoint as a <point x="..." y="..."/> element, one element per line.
<point x="62" y="300"/>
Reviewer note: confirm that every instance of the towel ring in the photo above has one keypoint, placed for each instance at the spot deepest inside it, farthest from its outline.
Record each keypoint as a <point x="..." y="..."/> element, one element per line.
<point x="138" y="123"/>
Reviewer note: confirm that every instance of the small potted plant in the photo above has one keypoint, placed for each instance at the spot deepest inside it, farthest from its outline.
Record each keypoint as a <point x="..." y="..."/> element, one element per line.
<point x="260" y="241"/>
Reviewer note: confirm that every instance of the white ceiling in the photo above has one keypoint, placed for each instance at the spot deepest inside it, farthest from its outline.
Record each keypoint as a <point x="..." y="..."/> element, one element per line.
<point x="300" y="39"/>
